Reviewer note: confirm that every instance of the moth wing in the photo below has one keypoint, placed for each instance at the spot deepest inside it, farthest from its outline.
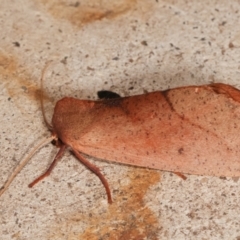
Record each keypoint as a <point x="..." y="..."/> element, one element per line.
<point x="190" y="130"/>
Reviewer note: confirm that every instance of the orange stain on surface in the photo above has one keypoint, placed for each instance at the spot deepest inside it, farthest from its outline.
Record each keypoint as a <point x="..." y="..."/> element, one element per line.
<point x="127" y="218"/>
<point x="88" y="11"/>
<point x="16" y="79"/>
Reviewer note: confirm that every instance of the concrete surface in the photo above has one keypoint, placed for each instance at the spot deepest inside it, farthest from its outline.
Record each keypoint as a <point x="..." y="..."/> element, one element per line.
<point x="130" y="47"/>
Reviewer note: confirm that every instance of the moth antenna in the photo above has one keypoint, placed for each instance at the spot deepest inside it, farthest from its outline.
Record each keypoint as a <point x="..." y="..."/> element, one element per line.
<point x="22" y="163"/>
<point x="49" y="126"/>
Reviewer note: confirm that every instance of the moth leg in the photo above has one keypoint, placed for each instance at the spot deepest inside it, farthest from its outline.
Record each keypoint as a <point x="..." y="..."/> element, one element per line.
<point x="95" y="170"/>
<point x="180" y="175"/>
<point x="53" y="164"/>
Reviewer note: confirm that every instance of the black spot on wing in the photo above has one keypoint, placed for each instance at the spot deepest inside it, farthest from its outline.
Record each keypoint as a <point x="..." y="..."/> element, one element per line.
<point x="107" y="95"/>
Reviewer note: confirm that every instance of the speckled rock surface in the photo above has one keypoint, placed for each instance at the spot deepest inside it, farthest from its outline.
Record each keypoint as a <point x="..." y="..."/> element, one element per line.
<point x="130" y="47"/>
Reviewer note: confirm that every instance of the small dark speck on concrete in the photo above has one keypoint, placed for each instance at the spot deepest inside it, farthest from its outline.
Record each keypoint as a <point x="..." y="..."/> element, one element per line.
<point x="9" y="99"/>
<point x="223" y="178"/>
<point x="144" y="43"/>
<point x="177" y="48"/>
<point x="115" y="58"/>
<point x="131" y="88"/>
<point x="16" y="44"/>
<point x="90" y="68"/>
<point x="76" y="4"/>
<point x="64" y="60"/>
<point x="230" y="45"/>
<point x="24" y="88"/>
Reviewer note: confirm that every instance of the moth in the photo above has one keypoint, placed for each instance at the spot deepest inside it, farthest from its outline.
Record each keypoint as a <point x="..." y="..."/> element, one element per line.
<point x="187" y="130"/>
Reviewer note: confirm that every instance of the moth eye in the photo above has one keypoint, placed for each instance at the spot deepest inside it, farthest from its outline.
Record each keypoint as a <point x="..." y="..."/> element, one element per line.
<point x="57" y="142"/>
<point x="54" y="142"/>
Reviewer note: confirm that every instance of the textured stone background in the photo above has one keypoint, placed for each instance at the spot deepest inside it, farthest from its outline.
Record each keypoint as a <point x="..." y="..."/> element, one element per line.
<point x="127" y="46"/>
